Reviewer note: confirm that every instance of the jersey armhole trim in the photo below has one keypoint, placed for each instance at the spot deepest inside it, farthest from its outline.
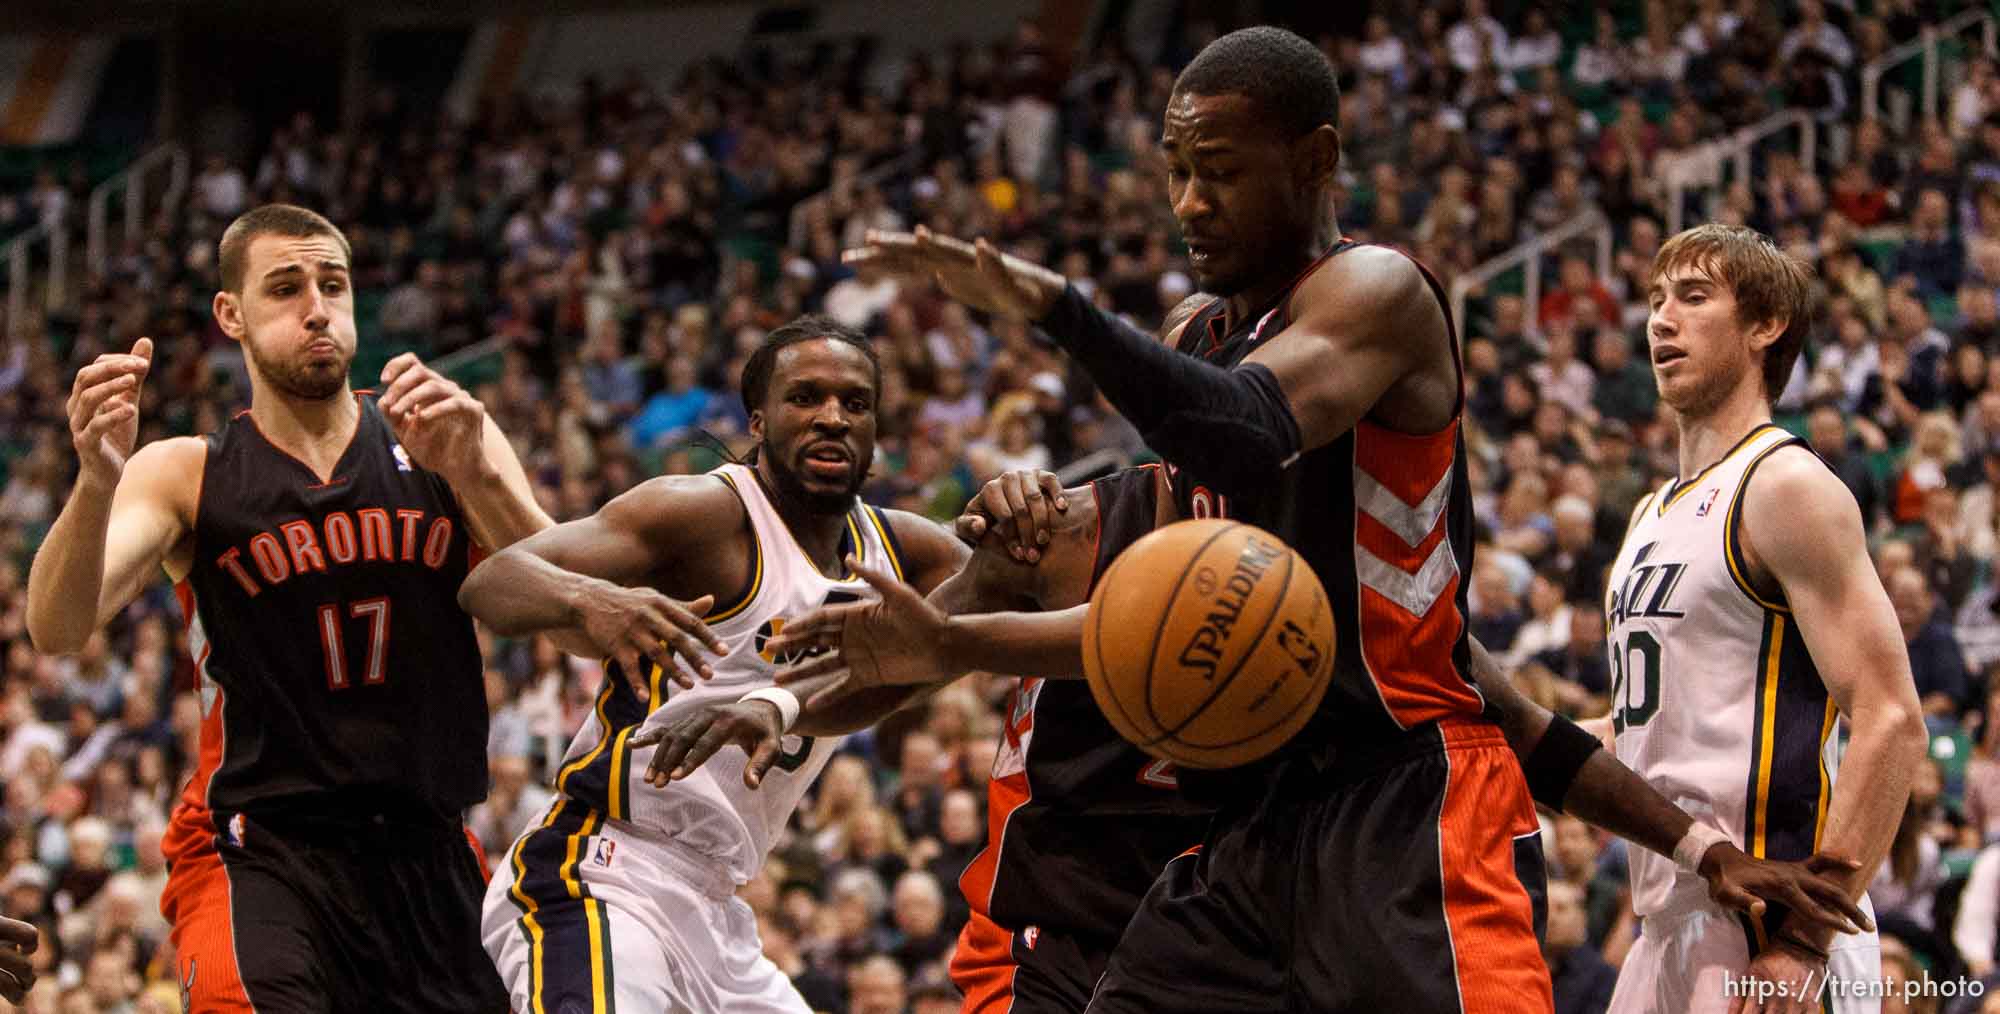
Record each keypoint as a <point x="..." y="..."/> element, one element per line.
<point x="1732" y="541"/>
<point x="890" y="546"/>
<point x="755" y="583"/>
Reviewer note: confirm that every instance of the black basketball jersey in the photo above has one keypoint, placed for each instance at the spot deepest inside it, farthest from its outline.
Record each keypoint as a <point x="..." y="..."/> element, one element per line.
<point x="1385" y="519"/>
<point x="1079" y="820"/>
<point x="337" y="674"/>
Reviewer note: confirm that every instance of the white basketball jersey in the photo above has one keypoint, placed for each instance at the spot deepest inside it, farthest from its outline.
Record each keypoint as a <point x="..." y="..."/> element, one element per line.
<point x="711" y="812"/>
<point x="1713" y="695"/>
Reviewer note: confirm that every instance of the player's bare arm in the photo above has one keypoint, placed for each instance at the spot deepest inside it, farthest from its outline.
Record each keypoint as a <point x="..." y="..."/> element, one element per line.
<point x="933" y="560"/>
<point x="1802" y="533"/>
<point x="130" y="514"/>
<point x="589" y="581"/>
<point x="1369" y="311"/>
<point x="1608" y="795"/>
<point x="447" y="431"/>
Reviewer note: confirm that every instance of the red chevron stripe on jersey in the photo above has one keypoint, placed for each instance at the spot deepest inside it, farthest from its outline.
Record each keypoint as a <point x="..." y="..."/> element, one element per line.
<point x="1408" y="574"/>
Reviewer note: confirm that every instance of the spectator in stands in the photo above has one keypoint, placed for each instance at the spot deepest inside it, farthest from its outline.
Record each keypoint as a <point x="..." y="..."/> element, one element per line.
<point x="1583" y="979"/>
<point x="1935" y="660"/>
<point x="1576" y="282"/>
<point x="1826" y="430"/>
<point x="1933" y="255"/>
<point x="1580" y="663"/>
<point x="1624" y="388"/>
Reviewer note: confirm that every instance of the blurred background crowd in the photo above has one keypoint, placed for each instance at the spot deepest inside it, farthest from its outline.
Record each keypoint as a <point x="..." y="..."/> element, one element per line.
<point x="596" y="265"/>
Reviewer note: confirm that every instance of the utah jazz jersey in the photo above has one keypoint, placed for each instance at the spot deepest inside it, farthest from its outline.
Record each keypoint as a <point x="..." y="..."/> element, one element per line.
<point x="1385" y="519"/>
<point x="711" y="812"/>
<point x="336" y="672"/>
<point x="1714" y="698"/>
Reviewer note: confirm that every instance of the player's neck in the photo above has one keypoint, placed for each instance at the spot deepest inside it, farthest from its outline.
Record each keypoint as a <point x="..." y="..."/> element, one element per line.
<point x="1706" y="438"/>
<point x="817" y="534"/>
<point x="316" y="432"/>
<point x="1283" y="274"/>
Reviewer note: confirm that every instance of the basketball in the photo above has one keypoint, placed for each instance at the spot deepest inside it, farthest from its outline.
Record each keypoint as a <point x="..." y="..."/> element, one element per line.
<point x="1208" y="643"/>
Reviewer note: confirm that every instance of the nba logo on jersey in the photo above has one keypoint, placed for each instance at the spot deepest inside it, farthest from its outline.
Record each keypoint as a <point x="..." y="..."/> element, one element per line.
<point x="236" y="830"/>
<point x="402" y="457"/>
<point x="1030" y="935"/>
<point x="1707" y="501"/>
<point x="605" y="848"/>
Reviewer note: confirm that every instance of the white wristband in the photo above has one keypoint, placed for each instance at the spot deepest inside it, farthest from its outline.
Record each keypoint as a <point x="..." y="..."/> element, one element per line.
<point x="784" y="700"/>
<point x="1695" y="844"/>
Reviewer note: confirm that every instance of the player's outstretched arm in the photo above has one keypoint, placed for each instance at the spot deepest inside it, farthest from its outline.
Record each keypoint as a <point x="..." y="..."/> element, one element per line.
<point x="1800" y="525"/>
<point x="126" y="514"/>
<point x="1370" y="312"/>
<point x="1604" y="793"/>
<point x="575" y="579"/>
<point x="447" y="431"/>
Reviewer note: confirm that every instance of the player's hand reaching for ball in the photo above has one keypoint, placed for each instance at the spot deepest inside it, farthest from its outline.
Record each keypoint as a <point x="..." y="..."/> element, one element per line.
<point x="17" y="973"/>
<point x="1021" y="505"/>
<point x="976" y="274"/>
<point x="438" y="422"/>
<point x="104" y="412"/>
<point x="686" y="742"/>
<point x="896" y="640"/>
<point x="1812" y="889"/>
<point x="631" y="625"/>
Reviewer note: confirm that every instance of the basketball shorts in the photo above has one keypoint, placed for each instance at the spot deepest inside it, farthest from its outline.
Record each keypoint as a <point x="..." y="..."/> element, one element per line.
<point x="1034" y="971"/>
<point x="284" y="918"/>
<point x="1404" y="878"/>
<point x="1694" y="958"/>
<point x="589" y="916"/>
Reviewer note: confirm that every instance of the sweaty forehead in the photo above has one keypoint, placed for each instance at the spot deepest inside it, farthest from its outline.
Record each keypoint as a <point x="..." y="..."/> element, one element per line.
<point x="1192" y="118"/>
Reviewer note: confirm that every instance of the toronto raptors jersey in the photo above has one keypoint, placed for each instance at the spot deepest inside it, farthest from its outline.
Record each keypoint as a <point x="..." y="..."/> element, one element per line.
<point x="711" y="812"/>
<point x="1079" y="820"/>
<point x="1385" y="519"/>
<point x="1714" y="698"/>
<point x="337" y="675"/>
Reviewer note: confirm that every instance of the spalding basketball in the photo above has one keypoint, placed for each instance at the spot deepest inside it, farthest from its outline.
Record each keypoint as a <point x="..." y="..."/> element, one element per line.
<point x="1208" y="643"/>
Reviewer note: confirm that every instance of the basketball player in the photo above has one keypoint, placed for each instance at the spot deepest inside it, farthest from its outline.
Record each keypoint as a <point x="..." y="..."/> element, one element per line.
<point x="318" y="857"/>
<point x="623" y="896"/>
<point x="1389" y="854"/>
<point x="1744" y="617"/>
<point x="1080" y="821"/>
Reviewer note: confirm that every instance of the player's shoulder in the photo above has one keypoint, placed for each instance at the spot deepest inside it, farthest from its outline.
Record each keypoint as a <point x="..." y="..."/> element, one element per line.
<point x="1367" y="283"/>
<point x="923" y="543"/>
<point x="174" y="461"/>
<point x="690" y="504"/>
<point x="1794" y="505"/>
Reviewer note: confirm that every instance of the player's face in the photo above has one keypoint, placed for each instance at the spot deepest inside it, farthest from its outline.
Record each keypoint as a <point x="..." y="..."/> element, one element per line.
<point x="816" y="430"/>
<point x="1231" y="183"/>
<point x="1701" y="350"/>
<point x="295" y="315"/>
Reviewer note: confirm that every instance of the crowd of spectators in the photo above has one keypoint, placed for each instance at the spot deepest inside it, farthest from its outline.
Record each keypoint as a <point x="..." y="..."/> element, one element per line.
<point x="597" y="265"/>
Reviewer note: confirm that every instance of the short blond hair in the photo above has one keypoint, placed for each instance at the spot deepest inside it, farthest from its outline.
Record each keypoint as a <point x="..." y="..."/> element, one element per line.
<point x="1770" y="285"/>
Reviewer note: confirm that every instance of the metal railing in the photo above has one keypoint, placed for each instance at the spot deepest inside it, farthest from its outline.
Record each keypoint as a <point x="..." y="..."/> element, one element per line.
<point x="1528" y="256"/>
<point x="1925" y="45"/>
<point x="18" y="254"/>
<point x="132" y="183"/>
<point x="1702" y="165"/>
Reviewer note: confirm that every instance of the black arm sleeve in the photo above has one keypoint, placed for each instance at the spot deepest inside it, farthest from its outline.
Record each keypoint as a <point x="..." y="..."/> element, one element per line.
<point x="1233" y="427"/>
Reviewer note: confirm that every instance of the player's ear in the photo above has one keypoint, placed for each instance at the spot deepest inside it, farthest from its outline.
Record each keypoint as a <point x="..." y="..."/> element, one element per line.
<point x="757" y="425"/>
<point x="228" y="311"/>
<point x="1319" y="155"/>
<point x="1765" y="334"/>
